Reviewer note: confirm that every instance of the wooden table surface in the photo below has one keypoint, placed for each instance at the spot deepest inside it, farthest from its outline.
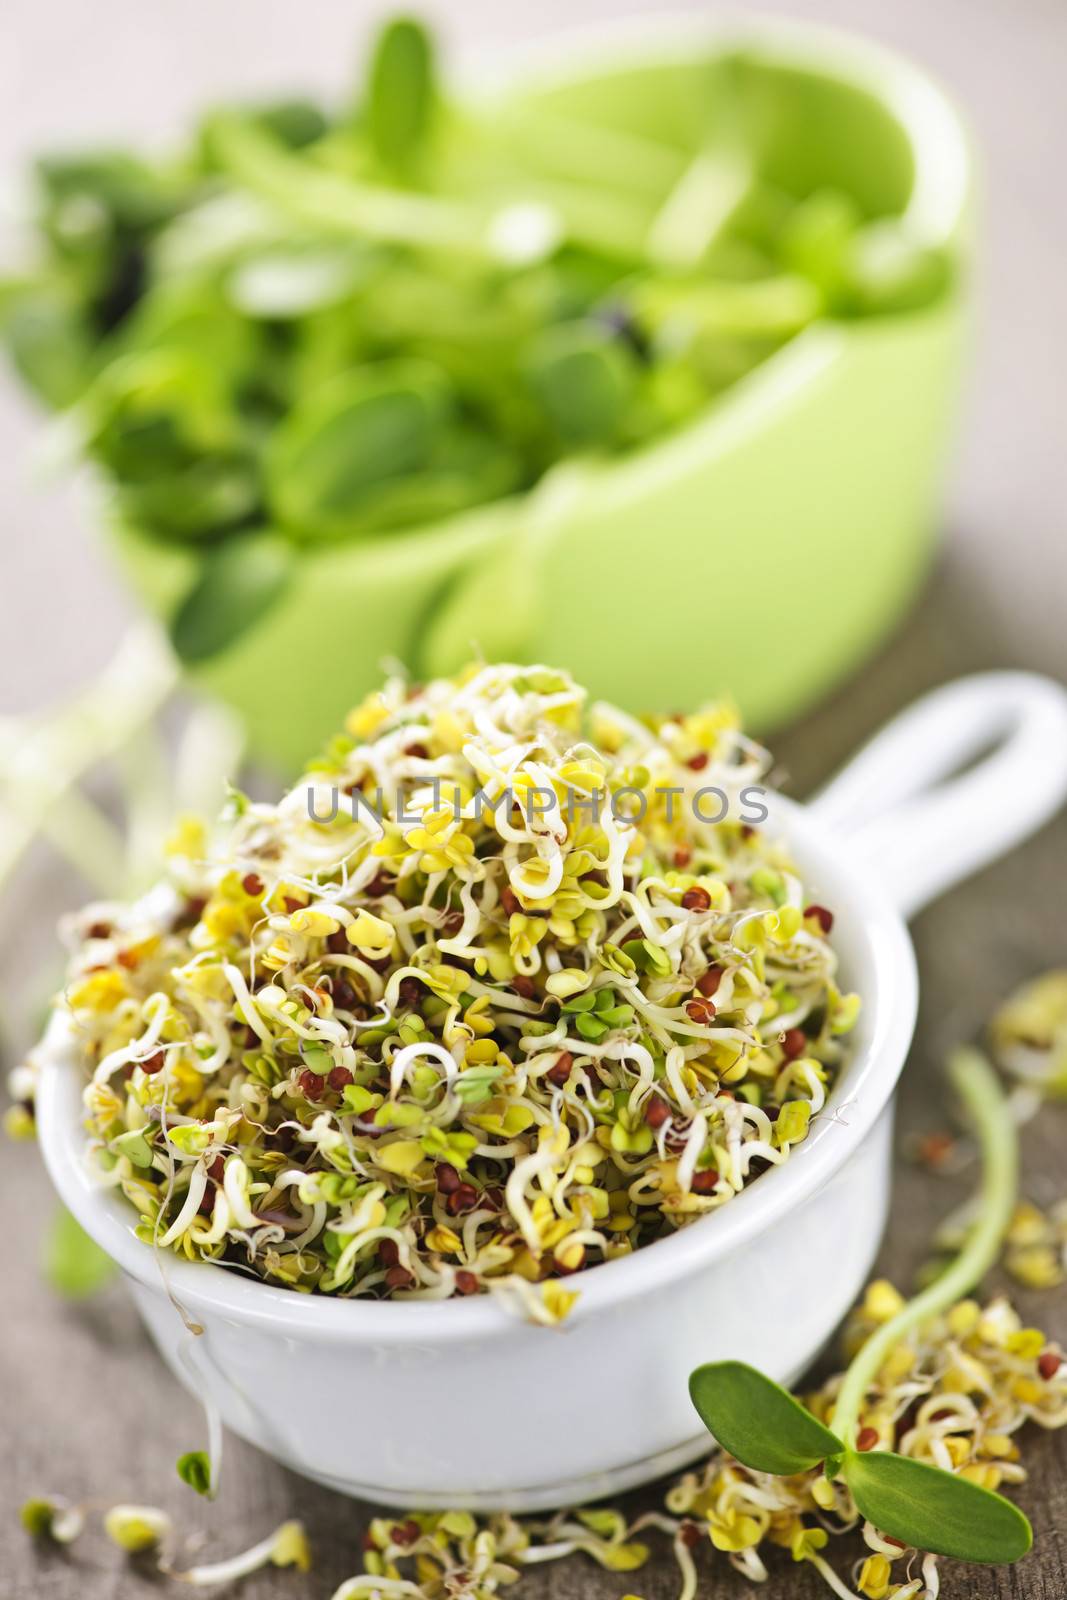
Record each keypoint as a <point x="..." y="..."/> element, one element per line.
<point x="87" y="1407"/>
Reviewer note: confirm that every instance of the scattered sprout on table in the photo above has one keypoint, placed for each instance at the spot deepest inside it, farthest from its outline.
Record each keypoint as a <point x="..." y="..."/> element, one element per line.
<point x="477" y="1031"/>
<point x="52" y="1517"/>
<point x="137" y="1529"/>
<point x="1028" y="1036"/>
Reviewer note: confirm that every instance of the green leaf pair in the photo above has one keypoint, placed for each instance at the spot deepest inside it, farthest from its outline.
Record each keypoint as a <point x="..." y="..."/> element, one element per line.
<point x="765" y="1428"/>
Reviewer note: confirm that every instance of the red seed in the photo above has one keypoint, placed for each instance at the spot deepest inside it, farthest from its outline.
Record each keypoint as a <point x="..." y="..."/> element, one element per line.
<point x="510" y="902"/>
<point x="344" y="996"/>
<point x="312" y="1084"/>
<point x="794" y="1042"/>
<point x="524" y="987"/>
<point x="696" y="900"/>
<point x="1049" y="1363"/>
<point x="448" y="1179"/>
<point x="682" y="857"/>
<point x="824" y="918"/>
<point x="252" y="884"/>
<point x="656" y="1111"/>
<point x="217" y="1169"/>
<point x="700" y="1010"/>
<point x="379" y="885"/>
<point x="559" y="1074"/>
<point x="704" y="1182"/>
<point x="388" y="1252"/>
<point x="709" y="982"/>
<point x="340" y="1078"/>
<point x="466" y="1283"/>
<point x="410" y="991"/>
<point x="465" y="1198"/>
<point x="698" y="762"/>
<point x="405" y="1533"/>
<point x="451" y="924"/>
<point x="399" y="1278"/>
<point x="690" y="1535"/>
<point x="367" y="1542"/>
<point x="417" y="752"/>
<point x="934" y="1149"/>
<point x="128" y="959"/>
<point x="155" y="1062"/>
<point x="866" y="1439"/>
<point x="293" y="904"/>
<point x="99" y="930"/>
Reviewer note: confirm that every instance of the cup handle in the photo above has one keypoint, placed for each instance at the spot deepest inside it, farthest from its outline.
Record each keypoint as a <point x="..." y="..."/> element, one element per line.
<point x="955" y="781"/>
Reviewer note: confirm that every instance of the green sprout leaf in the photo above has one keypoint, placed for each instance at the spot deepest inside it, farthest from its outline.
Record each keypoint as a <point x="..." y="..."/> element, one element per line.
<point x="194" y="1468"/>
<point x="400" y="93"/>
<point x="352" y="440"/>
<point x="238" y="583"/>
<point x="757" y="1421"/>
<point x="583" y="379"/>
<point x="36" y="1517"/>
<point x="74" y="1265"/>
<point x="935" y="1510"/>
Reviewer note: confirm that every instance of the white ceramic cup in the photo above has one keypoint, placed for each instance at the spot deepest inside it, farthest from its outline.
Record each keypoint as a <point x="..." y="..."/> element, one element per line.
<point x="460" y="1404"/>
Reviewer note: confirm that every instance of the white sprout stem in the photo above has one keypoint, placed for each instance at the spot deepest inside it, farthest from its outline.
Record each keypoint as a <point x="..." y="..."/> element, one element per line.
<point x="829" y="1576"/>
<point x="141" y="765"/>
<point x="368" y="1587"/>
<point x="187" y="1215"/>
<point x="73" y="825"/>
<point x="979" y="1088"/>
<point x="687" y="1568"/>
<point x="229" y="1570"/>
<point x="44" y="762"/>
<point x="189" y="1355"/>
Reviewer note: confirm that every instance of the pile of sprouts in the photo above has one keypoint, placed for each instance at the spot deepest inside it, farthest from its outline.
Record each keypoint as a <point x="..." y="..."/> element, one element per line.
<point x="501" y="989"/>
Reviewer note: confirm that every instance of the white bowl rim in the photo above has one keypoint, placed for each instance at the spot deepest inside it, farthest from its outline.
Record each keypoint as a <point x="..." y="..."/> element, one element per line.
<point x="886" y="1025"/>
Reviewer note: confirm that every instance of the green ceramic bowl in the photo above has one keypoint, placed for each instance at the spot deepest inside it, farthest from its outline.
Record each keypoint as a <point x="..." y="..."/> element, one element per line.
<point x="765" y="549"/>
